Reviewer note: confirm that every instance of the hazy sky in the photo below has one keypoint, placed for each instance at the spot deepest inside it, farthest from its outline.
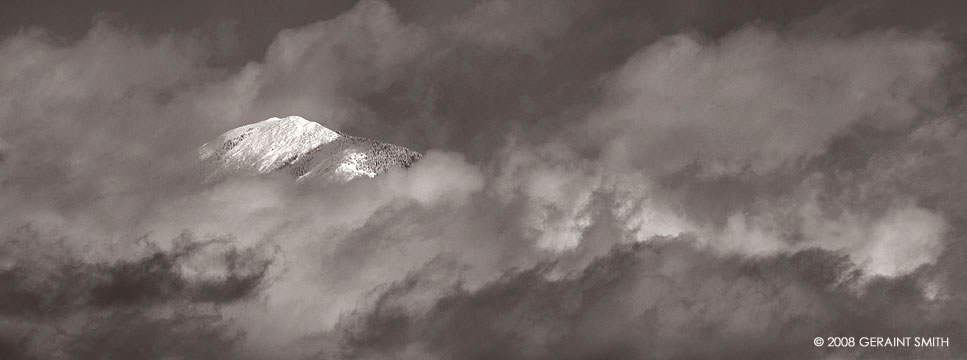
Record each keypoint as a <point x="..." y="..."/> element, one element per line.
<point x="601" y="180"/>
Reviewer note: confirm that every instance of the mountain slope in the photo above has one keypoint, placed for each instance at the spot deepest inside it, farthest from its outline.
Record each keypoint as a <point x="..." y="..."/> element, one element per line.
<point x="304" y="149"/>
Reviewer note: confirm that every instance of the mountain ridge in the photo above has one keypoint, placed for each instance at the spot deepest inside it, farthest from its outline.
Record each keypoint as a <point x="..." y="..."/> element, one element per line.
<point x="304" y="149"/>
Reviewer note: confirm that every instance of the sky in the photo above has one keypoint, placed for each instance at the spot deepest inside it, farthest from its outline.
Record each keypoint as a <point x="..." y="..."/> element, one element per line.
<point x="601" y="180"/>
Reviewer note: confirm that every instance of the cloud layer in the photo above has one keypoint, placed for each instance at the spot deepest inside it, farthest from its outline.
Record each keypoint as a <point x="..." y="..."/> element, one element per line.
<point x="599" y="182"/>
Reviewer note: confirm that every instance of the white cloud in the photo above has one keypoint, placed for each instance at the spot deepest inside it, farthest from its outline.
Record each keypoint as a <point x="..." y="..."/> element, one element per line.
<point x="760" y="97"/>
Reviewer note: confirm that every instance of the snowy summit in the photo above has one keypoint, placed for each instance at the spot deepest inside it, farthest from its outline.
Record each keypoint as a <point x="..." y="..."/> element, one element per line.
<point x="304" y="149"/>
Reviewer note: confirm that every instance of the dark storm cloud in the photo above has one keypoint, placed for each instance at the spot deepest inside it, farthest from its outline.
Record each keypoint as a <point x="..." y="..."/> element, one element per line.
<point x="656" y="179"/>
<point x="531" y="67"/>
<point x="657" y="300"/>
<point x="249" y="27"/>
<point x="134" y="335"/>
<point x="123" y="304"/>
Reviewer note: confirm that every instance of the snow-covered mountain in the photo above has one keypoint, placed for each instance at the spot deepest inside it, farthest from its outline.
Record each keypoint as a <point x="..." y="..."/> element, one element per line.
<point x="304" y="149"/>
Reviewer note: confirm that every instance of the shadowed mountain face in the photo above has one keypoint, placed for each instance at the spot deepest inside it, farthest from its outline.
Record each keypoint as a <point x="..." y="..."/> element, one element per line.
<point x="304" y="149"/>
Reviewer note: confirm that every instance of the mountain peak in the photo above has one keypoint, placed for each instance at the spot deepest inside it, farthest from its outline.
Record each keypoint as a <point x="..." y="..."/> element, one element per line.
<point x="304" y="149"/>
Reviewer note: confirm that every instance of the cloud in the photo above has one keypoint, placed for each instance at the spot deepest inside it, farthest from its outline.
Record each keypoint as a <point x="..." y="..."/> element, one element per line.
<point x="759" y="98"/>
<point x="60" y="303"/>
<point x="662" y="299"/>
<point x="501" y="24"/>
<point x="356" y="54"/>
<point x="100" y="182"/>
<point x="124" y="335"/>
<point x="588" y="183"/>
<point x="561" y="193"/>
<point x="158" y="277"/>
